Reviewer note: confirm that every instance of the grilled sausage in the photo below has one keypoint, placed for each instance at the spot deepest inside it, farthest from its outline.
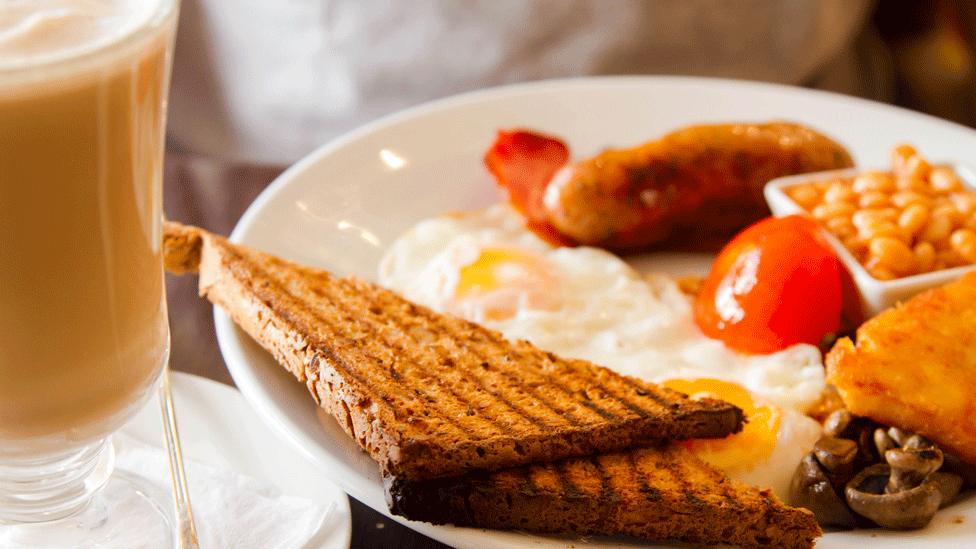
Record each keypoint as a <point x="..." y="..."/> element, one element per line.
<point x="702" y="181"/>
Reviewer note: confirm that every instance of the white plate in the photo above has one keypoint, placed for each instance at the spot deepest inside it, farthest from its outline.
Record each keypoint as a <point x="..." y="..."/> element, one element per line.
<point x="219" y="429"/>
<point x="342" y="205"/>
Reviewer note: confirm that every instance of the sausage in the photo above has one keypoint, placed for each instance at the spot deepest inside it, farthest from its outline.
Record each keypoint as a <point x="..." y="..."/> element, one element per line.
<point x="699" y="182"/>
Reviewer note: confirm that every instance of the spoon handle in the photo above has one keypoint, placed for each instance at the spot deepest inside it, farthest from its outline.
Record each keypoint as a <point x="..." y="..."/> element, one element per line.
<point x="186" y="530"/>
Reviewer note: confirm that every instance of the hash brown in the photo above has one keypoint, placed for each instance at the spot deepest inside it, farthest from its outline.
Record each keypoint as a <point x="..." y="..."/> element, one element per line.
<point x="914" y="367"/>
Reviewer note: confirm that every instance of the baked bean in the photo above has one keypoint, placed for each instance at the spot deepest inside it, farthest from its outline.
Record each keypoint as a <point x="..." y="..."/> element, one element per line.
<point x="964" y="243"/>
<point x="892" y="254"/>
<point x="941" y="244"/>
<point x="861" y="218"/>
<point x="841" y="227"/>
<point x="950" y="258"/>
<point x="949" y="212"/>
<point x="839" y="192"/>
<point x="944" y="180"/>
<point x="835" y="209"/>
<point x="806" y="196"/>
<point x="965" y="203"/>
<point x="916" y="218"/>
<point x="874" y="182"/>
<point x="873" y="199"/>
<point x="879" y="272"/>
<point x="913" y="184"/>
<point x="857" y="246"/>
<point x="876" y="229"/>
<point x="938" y="228"/>
<point x="913" y="218"/>
<point x="924" y="256"/>
<point x="917" y="167"/>
<point x="904" y="199"/>
<point x="900" y="155"/>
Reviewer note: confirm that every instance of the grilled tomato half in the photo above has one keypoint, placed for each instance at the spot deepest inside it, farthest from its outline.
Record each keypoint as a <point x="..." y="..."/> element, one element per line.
<point x="777" y="283"/>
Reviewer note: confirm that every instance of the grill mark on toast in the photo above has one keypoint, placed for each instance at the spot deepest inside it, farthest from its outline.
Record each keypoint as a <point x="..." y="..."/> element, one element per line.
<point x="338" y="332"/>
<point x="639" y="411"/>
<point x="685" y="487"/>
<point x="607" y="492"/>
<point x="413" y="320"/>
<point x="269" y="295"/>
<point x="382" y="331"/>
<point x="643" y="486"/>
<point x="483" y="338"/>
<point x="642" y="391"/>
<point x="569" y="489"/>
<point x="392" y="341"/>
<point x="567" y="416"/>
<point x="513" y="382"/>
<point x="470" y="346"/>
<point x="418" y="391"/>
<point x="550" y="378"/>
<point x="476" y="349"/>
<point x="526" y="485"/>
<point x="442" y="322"/>
<point x="465" y="373"/>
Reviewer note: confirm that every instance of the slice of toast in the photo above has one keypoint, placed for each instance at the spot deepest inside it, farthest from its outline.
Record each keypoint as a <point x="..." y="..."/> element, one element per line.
<point x="430" y="395"/>
<point x="662" y="493"/>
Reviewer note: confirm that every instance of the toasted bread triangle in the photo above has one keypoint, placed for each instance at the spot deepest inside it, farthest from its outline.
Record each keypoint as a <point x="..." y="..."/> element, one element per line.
<point x="430" y="395"/>
<point x="657" y="493"/>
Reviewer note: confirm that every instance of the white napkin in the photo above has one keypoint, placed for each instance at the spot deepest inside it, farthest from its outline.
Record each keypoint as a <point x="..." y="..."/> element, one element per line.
<point x="230" y="510"/>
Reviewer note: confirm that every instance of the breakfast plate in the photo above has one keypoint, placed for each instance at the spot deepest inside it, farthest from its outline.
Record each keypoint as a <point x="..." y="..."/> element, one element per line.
<point x="343" y="206"/>
<point x="219" y="429"/>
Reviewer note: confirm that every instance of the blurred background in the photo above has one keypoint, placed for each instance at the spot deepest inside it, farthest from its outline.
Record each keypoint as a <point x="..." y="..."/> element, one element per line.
<point x="257" y="84"/>
<point x="265" y="83"/>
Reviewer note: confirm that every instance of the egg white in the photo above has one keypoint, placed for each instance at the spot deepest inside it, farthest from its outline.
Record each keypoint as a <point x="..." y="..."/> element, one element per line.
<point x="795" y="438"/>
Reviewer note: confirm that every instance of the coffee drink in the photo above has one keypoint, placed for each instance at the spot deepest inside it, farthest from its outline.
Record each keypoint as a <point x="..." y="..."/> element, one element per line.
<point x="83" y="329"/>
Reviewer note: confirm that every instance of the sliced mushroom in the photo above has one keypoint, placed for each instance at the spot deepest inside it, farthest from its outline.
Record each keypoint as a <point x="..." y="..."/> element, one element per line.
<point x="837" y="457"/>
<point x="898" y="435"/>
<point x="910" y="467"/>
<point x="909" y="509"/>
<point x="810" y="488"/>
<point x="917" y="441"/>
<point x="837" y="422"/>
<point x="883" y="442"/>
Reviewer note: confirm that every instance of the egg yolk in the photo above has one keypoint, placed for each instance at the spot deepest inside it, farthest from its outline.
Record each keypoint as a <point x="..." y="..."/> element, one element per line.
<point x="745" y="449"/>
<point x="502" y="280"/>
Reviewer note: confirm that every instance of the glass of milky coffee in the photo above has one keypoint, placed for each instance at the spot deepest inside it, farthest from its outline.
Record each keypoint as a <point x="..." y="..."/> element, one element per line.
<point x="83" y="326"/>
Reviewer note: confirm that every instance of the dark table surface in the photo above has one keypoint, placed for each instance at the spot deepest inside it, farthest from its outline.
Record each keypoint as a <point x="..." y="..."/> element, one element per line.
<point x="213" y="195"/>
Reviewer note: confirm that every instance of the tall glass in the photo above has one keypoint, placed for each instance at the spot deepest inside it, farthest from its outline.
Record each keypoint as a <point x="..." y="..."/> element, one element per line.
<point x="83" y="326"/>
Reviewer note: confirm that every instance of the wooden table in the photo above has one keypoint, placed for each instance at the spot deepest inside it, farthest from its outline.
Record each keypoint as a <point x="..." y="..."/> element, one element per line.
<point x="213" y="195"/>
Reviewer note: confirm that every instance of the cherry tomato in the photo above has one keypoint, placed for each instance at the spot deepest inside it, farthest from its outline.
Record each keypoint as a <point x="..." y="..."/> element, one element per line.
<point x="777" y="283"/>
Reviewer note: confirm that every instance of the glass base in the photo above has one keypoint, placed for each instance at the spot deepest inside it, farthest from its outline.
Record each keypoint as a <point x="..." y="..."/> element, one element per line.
<point x="126" y="512"/>
<point x="74" y="500"/>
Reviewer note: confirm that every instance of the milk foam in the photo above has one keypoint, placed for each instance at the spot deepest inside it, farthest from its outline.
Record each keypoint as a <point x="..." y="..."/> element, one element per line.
<point x="39" y="31"/>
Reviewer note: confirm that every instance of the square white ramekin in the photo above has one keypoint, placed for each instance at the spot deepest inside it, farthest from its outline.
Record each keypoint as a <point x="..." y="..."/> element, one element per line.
<point x="876" y="295"/>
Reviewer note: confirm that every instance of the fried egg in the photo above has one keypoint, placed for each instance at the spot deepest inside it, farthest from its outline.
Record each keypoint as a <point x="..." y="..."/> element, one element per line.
<point x="581" y="303"/>
<point x="772" y="441"/>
